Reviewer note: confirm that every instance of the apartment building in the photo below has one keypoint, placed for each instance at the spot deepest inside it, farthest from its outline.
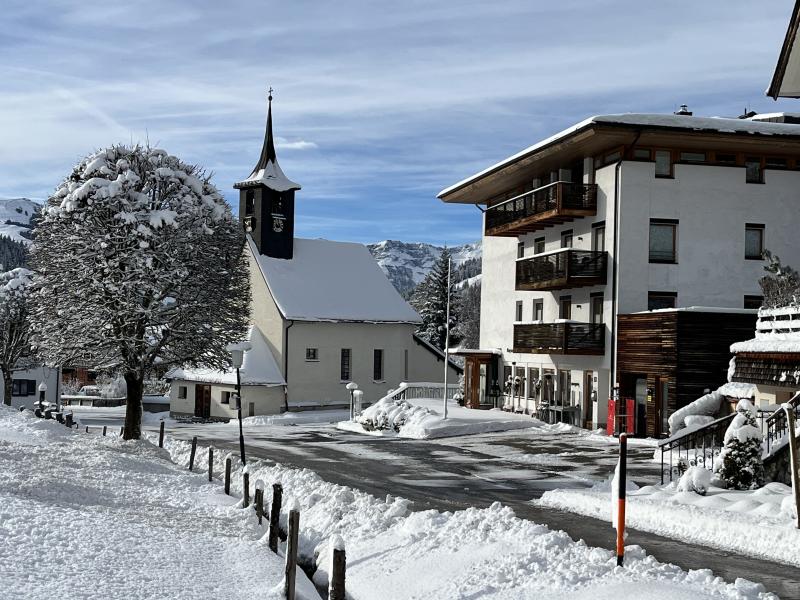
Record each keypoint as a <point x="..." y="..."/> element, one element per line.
<point x="618" y="217"/>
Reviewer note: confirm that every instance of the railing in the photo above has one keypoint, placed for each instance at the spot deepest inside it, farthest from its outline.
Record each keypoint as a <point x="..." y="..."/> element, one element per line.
<point x="559" y="196"/>
<point x="776" y="424"/>
<point x="560" y="338"/>
<point x="706" y="439"/>
<point x="567" y="268"/>
<point x="418" y="390"/>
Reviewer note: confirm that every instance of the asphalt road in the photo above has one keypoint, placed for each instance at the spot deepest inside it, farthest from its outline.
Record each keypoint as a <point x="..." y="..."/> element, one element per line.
<point x="512" y="468"/>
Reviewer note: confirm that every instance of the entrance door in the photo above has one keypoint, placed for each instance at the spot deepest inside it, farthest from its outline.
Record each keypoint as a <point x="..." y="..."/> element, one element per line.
<point x="588" y="399"/>
<point x="202" y="401"/>
<point x="662" y="407"/>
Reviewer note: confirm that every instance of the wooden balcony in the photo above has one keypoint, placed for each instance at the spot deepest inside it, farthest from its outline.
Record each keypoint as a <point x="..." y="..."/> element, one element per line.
<point x="552" y="204"/>
<point x="559" y="338"/>
<point x="567" y="268"/>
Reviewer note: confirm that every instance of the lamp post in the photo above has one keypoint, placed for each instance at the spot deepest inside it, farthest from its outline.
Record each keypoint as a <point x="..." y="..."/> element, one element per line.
<point x="446" y="339"/>
<point x="237" y="359"/>
<point x="42" y="392"/>
<point x="352" y="387"/>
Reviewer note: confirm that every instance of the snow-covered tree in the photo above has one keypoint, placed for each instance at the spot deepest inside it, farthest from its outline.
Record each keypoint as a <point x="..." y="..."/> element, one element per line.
<point x="469" y="327"/>
<point x="15" y="286"/>
<point x="430" y="301"/>
<point x="139" y="263"/>
<point x="740" y="459"/>
<point x="782" y="286"/>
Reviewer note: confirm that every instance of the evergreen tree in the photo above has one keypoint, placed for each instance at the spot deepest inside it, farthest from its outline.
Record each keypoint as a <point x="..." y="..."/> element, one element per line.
<point x="15" y="287"/>
<point x="782" y="286"/>
<point x="469" y="327"/>
<point x="139" y="262"/>
<point x="13" y="254"/>
<point x="740" y="458"/>
<point x="430" y="301"/>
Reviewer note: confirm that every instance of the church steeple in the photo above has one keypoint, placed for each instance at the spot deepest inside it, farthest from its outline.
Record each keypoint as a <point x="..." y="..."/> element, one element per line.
<point x="266" y="200"/>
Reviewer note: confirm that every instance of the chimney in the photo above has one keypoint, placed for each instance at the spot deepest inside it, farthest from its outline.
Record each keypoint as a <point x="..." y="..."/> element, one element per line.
<point x="684" y="110"/>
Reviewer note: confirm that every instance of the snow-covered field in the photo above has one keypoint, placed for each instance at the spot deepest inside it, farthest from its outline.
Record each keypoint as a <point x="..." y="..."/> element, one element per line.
<point x="424" y="419"/>
<point x="86" y="516"/>
<point x="755" y="523"/>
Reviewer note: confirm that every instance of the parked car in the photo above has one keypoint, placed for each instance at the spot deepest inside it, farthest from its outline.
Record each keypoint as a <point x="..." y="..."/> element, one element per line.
<point x="89" y="390"/>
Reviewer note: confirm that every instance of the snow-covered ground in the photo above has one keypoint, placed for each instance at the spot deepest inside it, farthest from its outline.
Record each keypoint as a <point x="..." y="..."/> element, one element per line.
<point x="87" y="516"/>
<point x="424" y="419"/>
<point x="754" y="523"/>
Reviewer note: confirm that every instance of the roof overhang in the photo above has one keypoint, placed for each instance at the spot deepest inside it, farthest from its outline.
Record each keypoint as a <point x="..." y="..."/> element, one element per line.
<point x="786" y="78"/>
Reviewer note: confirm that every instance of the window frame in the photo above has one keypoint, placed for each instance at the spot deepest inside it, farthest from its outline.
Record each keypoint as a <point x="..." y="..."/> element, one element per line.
<point x="225" y="396"/>
<point x="567" y="238"/>
<point x="183" y="392"/>
<point x="671" y="173"/>
<point x="520" y="249"/>
<point x="378" y="365"/>
<point x="562" y="302"/>
<point x="312" y="354"/>
<point x="660" y="294"/>
<point x="518" y="311"/>
<point x="754" y="227"/>
<point x="536" y="242"/>
<point x="673" y="223"/>
<point x="348" y="374"/>
<point x="594" y="297"/>
<point x="599" y="229"/>
<point x="538" y="306"/>
<point x="747" y="160"/>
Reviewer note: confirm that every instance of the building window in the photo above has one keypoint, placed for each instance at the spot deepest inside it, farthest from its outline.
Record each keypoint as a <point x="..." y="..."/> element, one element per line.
<point x="565" y="307"/>
<point x="538" y="245"/>
<point x="693" y="156"/>
<point x="520" y="249"/>
<point x="566" y="239"/>
<point x="181" y="392"/>
<point x="753" y="301"/>
<point x="774" y="162"/>
<point x="596" y="302"/>
<point x="312" y="354"/>
<point x="753" y="241"/>
<point x="641" y="154"/>
<point x="663" y="241"/>
<point x="538" y="310"/>
<point x="344" y="364"/>
<point x="753" y="170"/>
<point x="533" y="378"/>
<point x="23" y="387"/>
<point x="225" y="398"/>
<point x="599" y="237"/>
<point x="663" y="163"/>
<point x="518" y="311"/>
<point x="377" y="364"/>
<point x="249" y="203"/>
<point x="658" y="300"/>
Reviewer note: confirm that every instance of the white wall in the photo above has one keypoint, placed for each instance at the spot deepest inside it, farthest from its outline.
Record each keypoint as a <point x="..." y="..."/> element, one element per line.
<point x="265" y="312"/>
<point x="39" y="374"/>
<point x="265" y="400"/>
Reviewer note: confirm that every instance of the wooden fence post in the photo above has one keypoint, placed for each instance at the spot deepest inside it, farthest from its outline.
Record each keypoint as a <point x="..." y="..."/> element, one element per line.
<point x="87" y="429"/>
<point x="259" y="504"/>
<point x="291" y="554"/>
<point x="228" y="476"/>
<point x="793" y="460"/>
<point x="246" y="490"/>
<point x="104" y="430"/>
<point x="275" y="516"/>
<point x="336" y="589"/>
<point x="191" y="455"/>
<point x="161" y="435"/>
<point x="210" y="464"/>
<point x="122" y="431"/>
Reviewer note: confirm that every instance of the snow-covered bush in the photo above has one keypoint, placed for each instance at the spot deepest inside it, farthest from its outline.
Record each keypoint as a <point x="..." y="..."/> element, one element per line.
<point x="695" y="479"/>
<point x="740" y="464"/>
<point x="139" y="262"/>
<point x="112" y="385"/>
<point x="390" y="414"/>
<point x="15" y="289"/>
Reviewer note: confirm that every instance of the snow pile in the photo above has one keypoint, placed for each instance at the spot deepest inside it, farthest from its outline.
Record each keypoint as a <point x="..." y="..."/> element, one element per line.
<point x="695" y="479"/>
<point x="84" y="515"/>
<point x="423" y="419"/>
<point x="707" y="405"/>
<point x="394" y="554"/>
<point x="764" y="527"/>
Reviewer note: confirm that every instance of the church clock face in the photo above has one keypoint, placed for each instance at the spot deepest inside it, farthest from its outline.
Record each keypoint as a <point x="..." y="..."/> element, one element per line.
<point x="277" y="223"/>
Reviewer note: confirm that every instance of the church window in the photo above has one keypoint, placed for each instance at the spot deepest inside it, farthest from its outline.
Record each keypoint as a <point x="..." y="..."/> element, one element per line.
<point x="312" y="354"/>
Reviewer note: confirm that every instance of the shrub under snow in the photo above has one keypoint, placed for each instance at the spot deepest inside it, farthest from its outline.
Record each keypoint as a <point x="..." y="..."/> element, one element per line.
<point x="695" y="479"/>
<point x="741" y="466"/>
<point x="392" y="414"/>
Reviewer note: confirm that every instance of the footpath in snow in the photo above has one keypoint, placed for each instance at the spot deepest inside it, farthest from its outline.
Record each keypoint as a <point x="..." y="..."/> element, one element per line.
<point x="87" y="516"/>
<point x="755" y="523"/>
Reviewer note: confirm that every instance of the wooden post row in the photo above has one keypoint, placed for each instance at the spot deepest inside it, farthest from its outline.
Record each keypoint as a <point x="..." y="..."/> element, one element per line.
<point x="291" y="554"/>
<point x="275" y="516"/>
<point x="191" y="455"/>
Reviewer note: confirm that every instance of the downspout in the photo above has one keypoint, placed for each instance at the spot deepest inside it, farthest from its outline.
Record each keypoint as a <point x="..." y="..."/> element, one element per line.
<point x="286" y="366"/>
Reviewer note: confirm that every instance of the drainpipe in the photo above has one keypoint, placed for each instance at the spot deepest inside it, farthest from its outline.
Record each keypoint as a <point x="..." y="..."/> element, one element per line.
<point x="286" y="366"/>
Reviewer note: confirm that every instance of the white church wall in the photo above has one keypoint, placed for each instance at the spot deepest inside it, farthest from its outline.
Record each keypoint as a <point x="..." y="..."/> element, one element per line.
<point x="265" y="312"/>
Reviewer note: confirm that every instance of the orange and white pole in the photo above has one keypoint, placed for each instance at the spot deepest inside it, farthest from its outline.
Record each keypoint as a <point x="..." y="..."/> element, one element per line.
<point x="623" y="454"/>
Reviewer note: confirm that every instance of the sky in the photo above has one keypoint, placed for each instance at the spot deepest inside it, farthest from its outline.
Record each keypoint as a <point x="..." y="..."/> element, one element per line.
<point x="377" y="105"/>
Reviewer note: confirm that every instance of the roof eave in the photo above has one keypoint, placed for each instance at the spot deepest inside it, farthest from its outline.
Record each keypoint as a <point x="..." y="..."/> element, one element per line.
<point x="774" y="90"/>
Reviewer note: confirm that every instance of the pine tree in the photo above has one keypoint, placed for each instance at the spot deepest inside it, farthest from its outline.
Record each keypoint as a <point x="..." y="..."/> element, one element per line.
<point x="139" y="262"/>
<point x="15" y="286"/>
<point x="741" y="464"/>
<point x="430" y="301"/>
<point x="12" y="254"/>
<point x="469" y="327"/>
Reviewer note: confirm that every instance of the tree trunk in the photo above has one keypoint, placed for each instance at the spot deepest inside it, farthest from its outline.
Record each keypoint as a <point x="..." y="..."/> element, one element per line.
<point x="6" y="385"/>
<point x="133" y="412"/>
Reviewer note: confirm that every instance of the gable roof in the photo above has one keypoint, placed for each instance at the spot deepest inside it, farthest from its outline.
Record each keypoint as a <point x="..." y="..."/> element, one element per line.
<point x="332" y="281"/>
<point x="786" y="78"/>
<point x="258" y="367"/>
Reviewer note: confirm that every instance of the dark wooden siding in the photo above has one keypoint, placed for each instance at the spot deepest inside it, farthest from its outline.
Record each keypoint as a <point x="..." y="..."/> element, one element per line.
<point x="767" y="368"/>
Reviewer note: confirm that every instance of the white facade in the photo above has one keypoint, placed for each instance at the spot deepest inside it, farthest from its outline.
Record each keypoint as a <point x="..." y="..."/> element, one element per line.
<point x="712" y="204"/>
<point x="27" y="387"/>
<point x="256" y="400"/>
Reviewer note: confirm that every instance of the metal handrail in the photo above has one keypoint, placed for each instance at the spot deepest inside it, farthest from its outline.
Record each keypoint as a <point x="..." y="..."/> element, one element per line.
<point x="713" y="433"/>
<point x="523" y="194"/>
<point x="776" y="424"/>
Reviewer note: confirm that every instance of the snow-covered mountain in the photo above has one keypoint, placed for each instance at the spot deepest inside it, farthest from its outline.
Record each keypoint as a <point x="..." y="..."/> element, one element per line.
<point x="406" y="264"/>
<point x="16" y="215"/>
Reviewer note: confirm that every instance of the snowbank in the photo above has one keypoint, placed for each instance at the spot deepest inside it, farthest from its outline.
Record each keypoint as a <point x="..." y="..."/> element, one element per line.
<point x="707" y="405"/>
<point x="84" y="515"/>
<point x="763" y="529"/>
<point x="422" y="419"/>
<point x="395" y="554"/>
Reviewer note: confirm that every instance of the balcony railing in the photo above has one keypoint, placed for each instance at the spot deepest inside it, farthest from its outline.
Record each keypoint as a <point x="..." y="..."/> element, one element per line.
<point x="560" y="338"/>
<point x="552" y="204"/>
<point x="567" y="268"/>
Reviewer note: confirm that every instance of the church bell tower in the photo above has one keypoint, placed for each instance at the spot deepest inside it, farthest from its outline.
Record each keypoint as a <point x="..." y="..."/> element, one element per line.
<point x="266" y="201"/>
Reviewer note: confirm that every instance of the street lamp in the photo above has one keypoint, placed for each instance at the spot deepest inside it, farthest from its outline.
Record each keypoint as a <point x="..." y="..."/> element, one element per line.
<point x="237" y="359"/>
<point x="352" y="387"/>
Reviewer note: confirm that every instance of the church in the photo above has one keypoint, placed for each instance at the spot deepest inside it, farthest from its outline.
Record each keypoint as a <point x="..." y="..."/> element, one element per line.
<point x="323" y="315"/>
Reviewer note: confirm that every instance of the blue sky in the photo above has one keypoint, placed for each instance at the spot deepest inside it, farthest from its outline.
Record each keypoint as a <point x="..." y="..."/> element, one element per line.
<point x="378" y="105"/>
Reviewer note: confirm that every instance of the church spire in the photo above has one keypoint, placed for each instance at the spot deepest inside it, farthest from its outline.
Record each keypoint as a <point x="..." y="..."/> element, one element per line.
<point x="268" y="150"/>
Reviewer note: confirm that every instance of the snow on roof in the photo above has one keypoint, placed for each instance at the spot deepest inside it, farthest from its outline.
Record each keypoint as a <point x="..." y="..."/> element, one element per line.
<point x="271" y="176"/>
<point x="332" y="281"/>
<point x="258" y="367"/>
<point x="678" y="122"/>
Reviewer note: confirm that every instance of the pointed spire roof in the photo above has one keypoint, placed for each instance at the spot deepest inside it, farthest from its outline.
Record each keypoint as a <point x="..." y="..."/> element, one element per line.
<point x="267" y="172"/>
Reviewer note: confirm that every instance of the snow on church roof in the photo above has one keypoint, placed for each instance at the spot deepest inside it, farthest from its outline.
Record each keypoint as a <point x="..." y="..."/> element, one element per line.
<point x="332" y="281"/>
<point x="258" y="367"/>
<point x="271" y="176"/>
